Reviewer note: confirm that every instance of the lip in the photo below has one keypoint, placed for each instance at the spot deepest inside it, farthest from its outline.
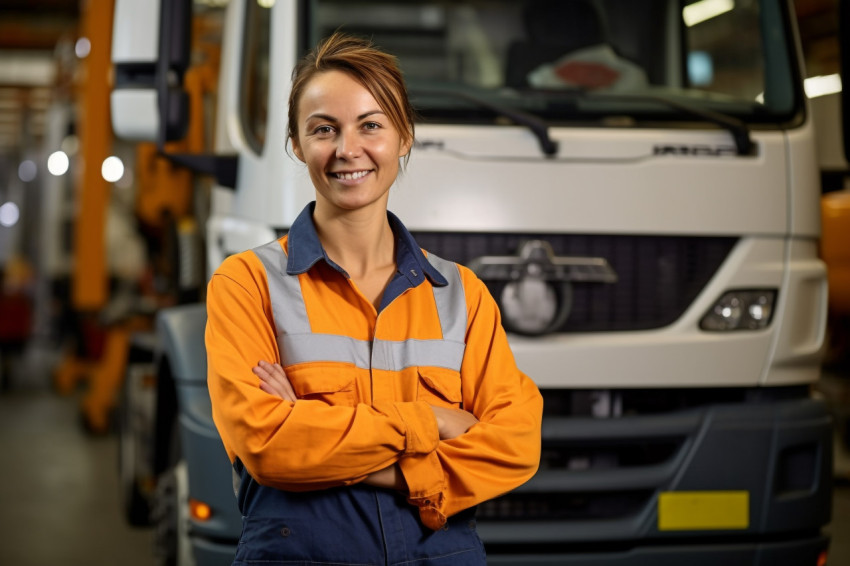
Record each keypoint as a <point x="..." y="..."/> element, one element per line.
<point x="354" y="178"/>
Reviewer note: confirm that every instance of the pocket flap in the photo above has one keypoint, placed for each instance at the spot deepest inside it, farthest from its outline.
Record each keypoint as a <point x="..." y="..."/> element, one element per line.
<point x="443" y="382"/>
<point x="310" y="379"/>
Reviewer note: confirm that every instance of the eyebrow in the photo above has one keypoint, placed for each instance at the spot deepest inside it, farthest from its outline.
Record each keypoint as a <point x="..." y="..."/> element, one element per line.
<point x="332" y="119"/>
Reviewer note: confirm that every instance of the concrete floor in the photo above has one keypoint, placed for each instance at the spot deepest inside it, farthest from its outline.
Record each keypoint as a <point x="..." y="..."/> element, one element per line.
<point x="59" y="489"/>
<point x="59" y="492"/>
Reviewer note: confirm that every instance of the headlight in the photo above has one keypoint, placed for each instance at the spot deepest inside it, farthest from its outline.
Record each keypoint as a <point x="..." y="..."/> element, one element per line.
<point x="741" y="310"/>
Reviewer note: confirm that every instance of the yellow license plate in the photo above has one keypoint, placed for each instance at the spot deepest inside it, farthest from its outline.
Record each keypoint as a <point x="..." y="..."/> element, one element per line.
<point x="703" y="510"/>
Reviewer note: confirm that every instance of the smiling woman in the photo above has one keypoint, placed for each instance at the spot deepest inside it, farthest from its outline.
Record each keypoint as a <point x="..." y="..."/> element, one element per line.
<point x="349" y="144"/>
<point x="364" y="390"/>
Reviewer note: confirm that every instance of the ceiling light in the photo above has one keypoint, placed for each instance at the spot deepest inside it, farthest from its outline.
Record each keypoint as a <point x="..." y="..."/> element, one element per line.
<point x="822" y="85"/>
<point x="112" y="169"/>
<point x="9" y="214"/>
<point x="705" y="10"/>
<point x="82" y="48"/>
<point x="58" y="163"/>
<point x="27" y="171"/>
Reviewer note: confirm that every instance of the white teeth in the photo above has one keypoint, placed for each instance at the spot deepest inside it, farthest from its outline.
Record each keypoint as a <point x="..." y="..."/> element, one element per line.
<point x="351" y="176"/>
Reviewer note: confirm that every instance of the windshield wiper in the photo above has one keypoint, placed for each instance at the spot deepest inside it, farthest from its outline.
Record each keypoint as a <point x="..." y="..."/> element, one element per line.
<point x="739" y="130"/>
<point x="537" y="126"/>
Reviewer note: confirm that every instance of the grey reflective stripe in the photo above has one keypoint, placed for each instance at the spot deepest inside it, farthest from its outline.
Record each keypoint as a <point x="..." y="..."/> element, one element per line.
<point x="301" y="348"/>
<point x="285" y="290"/>
<point x="451" y="300"/>
<point x="385" y="354"/>
<point x="395" y="356"/>
<point x="298" y="344"/>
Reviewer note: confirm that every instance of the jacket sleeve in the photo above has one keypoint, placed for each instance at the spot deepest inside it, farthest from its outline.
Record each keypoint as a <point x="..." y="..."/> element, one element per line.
<point x="500" y="452"/>
<point x="299" y="446"/>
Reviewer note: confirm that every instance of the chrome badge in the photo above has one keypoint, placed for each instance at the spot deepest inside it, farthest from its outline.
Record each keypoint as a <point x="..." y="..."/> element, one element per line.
<point x="537" y="294"/>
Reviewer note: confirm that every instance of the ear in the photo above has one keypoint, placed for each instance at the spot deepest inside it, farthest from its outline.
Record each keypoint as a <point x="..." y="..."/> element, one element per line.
<point x="404" y="147"/>
<point x="296" y="149"/>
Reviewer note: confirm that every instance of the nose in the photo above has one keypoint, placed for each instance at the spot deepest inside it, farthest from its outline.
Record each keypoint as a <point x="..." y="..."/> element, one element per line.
<point x="349" y="145"/>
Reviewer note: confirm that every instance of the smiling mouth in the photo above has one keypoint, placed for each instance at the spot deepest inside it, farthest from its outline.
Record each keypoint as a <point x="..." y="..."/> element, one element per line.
<point x="350" y="176"/>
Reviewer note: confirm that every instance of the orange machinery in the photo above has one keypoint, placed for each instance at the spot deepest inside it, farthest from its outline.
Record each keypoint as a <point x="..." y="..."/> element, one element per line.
<point x="164" y="193"/>
<point x="835" y="251"/>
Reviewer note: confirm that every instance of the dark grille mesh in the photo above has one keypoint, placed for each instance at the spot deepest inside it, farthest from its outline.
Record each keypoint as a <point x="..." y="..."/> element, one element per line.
<point x="658" y="276"/>
<point x="564" y="506"/>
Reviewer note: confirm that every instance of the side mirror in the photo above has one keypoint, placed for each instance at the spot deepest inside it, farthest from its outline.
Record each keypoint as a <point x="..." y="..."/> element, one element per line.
<point x="151" y="50"/>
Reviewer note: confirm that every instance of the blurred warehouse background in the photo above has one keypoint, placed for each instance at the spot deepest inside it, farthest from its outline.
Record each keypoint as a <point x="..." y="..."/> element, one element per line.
<point x="64" y="329"/>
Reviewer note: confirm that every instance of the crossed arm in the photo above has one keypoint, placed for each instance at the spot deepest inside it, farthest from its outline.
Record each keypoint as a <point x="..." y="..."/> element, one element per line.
<point x="451" y="423"/>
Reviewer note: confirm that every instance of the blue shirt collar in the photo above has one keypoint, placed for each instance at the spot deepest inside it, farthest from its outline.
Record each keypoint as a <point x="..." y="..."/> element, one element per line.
<point x="304" y="250"/>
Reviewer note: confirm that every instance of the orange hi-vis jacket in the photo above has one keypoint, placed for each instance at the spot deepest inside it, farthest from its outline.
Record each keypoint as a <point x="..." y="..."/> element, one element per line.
<point x="365" y="378"/>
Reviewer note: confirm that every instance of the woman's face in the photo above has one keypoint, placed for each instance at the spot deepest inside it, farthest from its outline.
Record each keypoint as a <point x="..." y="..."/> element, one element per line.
<point x="349" y="145"/>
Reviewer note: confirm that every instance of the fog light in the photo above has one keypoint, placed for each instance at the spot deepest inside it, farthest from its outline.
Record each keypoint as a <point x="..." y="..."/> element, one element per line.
<point x="199" y="510"/>
<point x="740" y="310"/>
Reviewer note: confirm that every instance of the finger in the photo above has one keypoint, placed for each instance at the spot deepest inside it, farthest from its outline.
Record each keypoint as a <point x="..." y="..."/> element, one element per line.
<point x="279" y="376"/>
<point x="276" y="392"/>
<point x="270" y="373"/>
<point x="274" y="376"/>
<point x="269" y="381"/>
<point x="284" y="381"/>
<point x="262" y="373"/>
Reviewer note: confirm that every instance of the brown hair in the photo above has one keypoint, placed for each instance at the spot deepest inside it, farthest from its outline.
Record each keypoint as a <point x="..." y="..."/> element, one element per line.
<point x="377" y="71"/>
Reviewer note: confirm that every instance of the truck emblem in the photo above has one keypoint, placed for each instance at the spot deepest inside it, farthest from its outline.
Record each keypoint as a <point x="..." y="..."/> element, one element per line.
<point x="426" y="144"/>
<point x="695" y="150"/>
<point x="537" y="293"/>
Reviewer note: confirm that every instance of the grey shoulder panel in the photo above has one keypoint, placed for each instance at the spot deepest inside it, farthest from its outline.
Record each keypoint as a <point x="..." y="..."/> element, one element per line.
<point x="290" y="312"/>
<point x="450" y="299"/>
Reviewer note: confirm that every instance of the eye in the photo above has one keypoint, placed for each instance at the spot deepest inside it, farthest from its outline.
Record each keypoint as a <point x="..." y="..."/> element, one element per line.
<point x="371" y="125"/>
<point x="323" y="130"/>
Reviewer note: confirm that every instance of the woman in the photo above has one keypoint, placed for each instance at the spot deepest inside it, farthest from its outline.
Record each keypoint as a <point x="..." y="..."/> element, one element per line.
<point x="364" y="391"/>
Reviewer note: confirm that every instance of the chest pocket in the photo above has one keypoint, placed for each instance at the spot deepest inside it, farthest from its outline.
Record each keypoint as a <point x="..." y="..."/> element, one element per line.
<point x="439" y="386"/>
<point x="330" y="382"/>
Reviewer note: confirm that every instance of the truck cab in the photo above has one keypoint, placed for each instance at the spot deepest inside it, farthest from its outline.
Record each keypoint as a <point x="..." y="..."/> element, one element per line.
<point x="636" y="183"/>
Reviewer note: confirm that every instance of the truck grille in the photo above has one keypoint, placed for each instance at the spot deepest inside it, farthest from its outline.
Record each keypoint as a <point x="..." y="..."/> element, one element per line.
<point x="564" y="506"/>
<point x="658" y="276"/>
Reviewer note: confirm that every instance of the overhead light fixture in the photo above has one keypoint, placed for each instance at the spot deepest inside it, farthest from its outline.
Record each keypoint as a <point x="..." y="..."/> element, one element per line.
<point x="58" y="163"/>
<point x="27" y="171"/>
<point x="822" y="85"/>
<point x="82" y="48"/>
<point x="112" y="169"/>
<point x="703" y="10"/>
<point x="9" y="214"/>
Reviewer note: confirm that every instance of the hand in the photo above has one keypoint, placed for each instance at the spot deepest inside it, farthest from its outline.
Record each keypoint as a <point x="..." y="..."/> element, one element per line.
<point x="273" y="380"/>
<point x="390" y="478"/>
<point x="453" y="422"/>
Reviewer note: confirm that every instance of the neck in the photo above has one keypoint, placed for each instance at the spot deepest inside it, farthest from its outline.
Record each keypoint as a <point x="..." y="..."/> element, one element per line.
<point x="360" y="241"/>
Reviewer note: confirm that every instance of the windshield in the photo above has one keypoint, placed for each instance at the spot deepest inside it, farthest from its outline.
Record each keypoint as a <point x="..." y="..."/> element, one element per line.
<point x="580" y="60"/>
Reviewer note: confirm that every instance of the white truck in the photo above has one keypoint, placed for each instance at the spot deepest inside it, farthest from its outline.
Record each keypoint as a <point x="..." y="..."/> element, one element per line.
<point x="635" y="181"/>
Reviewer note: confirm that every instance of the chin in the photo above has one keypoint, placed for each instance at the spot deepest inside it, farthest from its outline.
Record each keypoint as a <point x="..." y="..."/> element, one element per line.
<point x="350" y="201"/>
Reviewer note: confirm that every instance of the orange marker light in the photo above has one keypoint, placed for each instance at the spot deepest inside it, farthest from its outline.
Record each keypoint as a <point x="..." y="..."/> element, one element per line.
<point x="822" y="559"/>
<point x="199" y="510"/>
